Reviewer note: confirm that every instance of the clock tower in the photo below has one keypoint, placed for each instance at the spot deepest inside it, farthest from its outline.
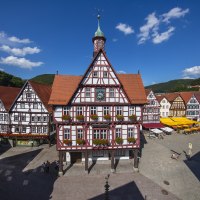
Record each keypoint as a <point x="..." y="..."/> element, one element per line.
<point x="98" y="39"/>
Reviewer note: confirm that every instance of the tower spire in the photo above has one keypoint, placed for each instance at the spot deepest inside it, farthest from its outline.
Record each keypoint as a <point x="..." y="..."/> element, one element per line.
<point x="99" y="38"/>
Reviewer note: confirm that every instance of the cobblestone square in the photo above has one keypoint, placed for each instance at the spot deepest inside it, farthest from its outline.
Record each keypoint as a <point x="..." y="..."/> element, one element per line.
<point x="160" y="177"/>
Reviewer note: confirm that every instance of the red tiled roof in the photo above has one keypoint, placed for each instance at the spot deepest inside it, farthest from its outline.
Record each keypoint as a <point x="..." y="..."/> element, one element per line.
<point x="64" y="87"/>
<point x="8" y="95"/>
<point x="160" y="98"/>
<point x="197" y="95"/>
<point x="171" y="96"/>
<point x="133" y="87"/>
<point x="147" y="91"/>
<point x="186" y="96"/>
<point x="43" y="91"/>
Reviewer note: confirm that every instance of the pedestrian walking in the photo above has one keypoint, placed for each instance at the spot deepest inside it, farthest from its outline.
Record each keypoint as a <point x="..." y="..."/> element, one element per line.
<point x="47" y="166"/>
<point x="189" y="151"/>
<point x="57" y="165"/>
<point x="44" y="167"/>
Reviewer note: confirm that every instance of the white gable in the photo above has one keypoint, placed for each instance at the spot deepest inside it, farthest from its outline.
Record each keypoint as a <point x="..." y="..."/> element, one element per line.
<point x="100" y="73"/>
<point x="26" y="99"/>
<point x="2" y="108"/>
<point x="100" y="77"/>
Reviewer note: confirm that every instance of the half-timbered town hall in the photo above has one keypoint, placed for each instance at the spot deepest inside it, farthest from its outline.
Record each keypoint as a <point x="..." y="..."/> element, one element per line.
<point x="98" y="115"/>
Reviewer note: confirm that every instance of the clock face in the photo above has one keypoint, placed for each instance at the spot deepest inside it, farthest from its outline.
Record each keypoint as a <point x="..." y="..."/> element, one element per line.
<point x="100" y="94"/>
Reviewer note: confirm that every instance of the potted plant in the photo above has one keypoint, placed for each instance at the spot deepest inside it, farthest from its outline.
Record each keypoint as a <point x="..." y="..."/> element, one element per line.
<point x="119" y="140"/>
<point x="100" y="142"/>
<point x="132" y="117"/>
<point x="120" y="117"/>
<point x="80" y="117"/>
<point x="80" y="141"/>
<point x="67" y="142"/>
<point x="66" y="117"/>
<point x="96" y="142"/>
<point x="131" y="140"/>
<point x="104" y="142"/>
<point x="107" y="117"/>
<point x="94" y="117"/>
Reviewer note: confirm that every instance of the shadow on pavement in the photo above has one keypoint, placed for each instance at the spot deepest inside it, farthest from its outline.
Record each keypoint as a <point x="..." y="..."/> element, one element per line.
<point x="194" y="164"/>
<point x="92" y="165"/>
<point x="32" y="184"/>
<point x="128" y="191"/>
<point x="4" y="148"/>
<point x="143" y="141"/>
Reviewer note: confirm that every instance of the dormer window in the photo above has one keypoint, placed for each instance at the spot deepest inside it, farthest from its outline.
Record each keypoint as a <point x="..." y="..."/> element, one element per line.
<point x="95" y="74"/>
<point x="87" y="92"/>
<point x="28" y="95"/>
<point x="105" y="74"/>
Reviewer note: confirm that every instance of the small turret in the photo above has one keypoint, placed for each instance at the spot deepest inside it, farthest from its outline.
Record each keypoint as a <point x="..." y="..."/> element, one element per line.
<point x="98" y="39"/>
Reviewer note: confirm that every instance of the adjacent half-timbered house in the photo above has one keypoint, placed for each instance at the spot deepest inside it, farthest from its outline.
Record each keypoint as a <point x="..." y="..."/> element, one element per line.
<point x="31" y="116"/>
<point x="178" y="103"/>
<point x="193" y="107"/>
<point x="98" y="115"/>
<point x="151" y="111"/>
<point x="7" y="96"/>
<point x="164" y="105"/>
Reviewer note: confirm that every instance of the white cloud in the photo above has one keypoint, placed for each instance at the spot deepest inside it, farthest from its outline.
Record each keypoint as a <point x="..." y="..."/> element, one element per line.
<point x="192" y="72"/>
<point x="187" y="77"/>
<point x="1" y="69"/>
<point x="174" y="13"/>
<point x="12" y="41"/>
<point x="17" y="40"/>
<point x="20" y="62"/>
<point x="20" y="52"/>
<point x="121" y="72"/>
<point x="150" y="30"/>
<point x="151" y="25"/>
<point x="160" y="37"/>
<point x="125" y="28"/>
<point x="114" y="39"/>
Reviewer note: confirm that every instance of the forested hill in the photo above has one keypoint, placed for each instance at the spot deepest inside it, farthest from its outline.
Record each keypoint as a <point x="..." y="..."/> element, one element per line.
<point x="170" y="86"/>
<point x="10" y="80"/>
<point x="175" y="85"/>
<point x="44" y="78"/>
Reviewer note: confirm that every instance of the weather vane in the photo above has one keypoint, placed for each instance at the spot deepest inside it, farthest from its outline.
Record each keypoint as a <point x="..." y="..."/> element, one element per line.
<point x="99" y="11"/>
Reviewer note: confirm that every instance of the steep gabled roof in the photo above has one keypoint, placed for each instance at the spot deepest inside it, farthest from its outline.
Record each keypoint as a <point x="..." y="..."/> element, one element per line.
<point x="147" y="91"/>
<point x="134" y="88"/>
<point x="160" y="98"/>
<point x="64" y="87"/>
<point x="8" y="95"/>
<point x="197" y="95"/>
<point x="171" y="96"/>
<point x="186" y="96"/>
<point x="43" y="91"/>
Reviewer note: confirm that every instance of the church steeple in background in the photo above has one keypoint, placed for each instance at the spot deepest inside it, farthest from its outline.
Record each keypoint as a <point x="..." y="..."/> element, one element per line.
<point x="98" y="39"/>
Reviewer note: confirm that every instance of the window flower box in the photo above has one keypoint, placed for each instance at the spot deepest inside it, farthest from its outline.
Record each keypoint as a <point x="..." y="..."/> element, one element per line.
<point x="131" y="140"/>
<point x="67" y="142"/>
<point x="119" y="140"/>
<point x="107" y="117"/>
<point x="66" y="117"/>
<point x="101" y="142"/>
<point x="120" y="117"/>
<point x="80" y="141"/>
<point x="80" y="117"/>
<point x="133" y="118"/>
<point x="94" y="117"/>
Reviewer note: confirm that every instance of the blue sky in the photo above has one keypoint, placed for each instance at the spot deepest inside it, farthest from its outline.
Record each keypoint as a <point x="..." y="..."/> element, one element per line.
<point x="159" y="38"/>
